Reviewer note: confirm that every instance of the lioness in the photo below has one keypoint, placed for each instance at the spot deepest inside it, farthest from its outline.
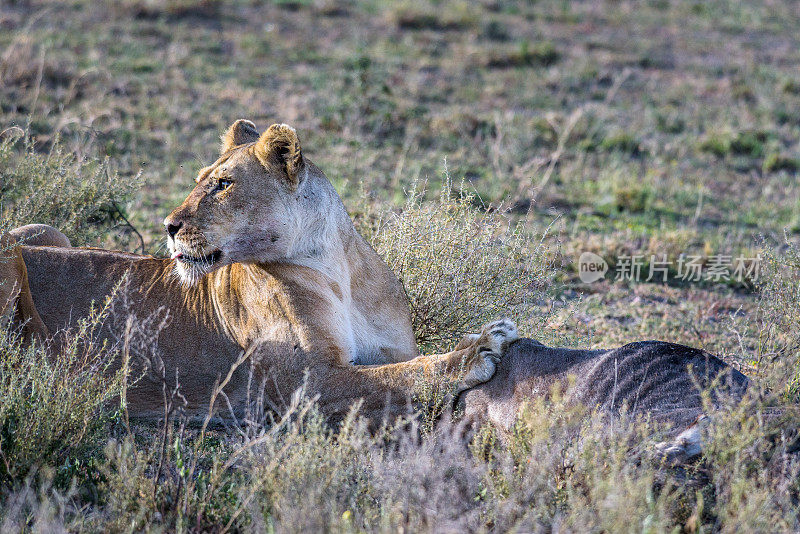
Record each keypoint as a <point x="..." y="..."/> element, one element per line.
<point x="264" y="253"/>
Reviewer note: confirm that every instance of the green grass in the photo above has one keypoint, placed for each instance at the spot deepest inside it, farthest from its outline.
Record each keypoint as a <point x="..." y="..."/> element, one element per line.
<point x="659" y="128"/>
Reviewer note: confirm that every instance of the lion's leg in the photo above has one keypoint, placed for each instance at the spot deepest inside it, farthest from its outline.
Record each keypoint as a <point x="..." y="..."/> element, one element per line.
<point x="385" y="389"/>
<point x="40" y="235"/>
<point x="15" y="292"/>
<point x="470" y="364"/>
<point x="466" y="341"/>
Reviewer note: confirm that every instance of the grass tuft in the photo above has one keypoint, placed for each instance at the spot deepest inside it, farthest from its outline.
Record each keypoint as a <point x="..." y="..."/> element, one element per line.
<point x="541" y="54"/>
<point x="780" y="162"/>
<point x="461" y="267"/>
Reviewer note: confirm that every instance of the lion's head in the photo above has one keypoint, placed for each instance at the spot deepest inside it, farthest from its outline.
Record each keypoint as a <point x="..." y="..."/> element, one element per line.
<point x="257" y="203"/>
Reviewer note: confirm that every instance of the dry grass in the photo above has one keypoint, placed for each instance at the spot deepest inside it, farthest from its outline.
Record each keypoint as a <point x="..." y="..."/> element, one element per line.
<point x="53" y="411"/>
<point x="614" y="127"/>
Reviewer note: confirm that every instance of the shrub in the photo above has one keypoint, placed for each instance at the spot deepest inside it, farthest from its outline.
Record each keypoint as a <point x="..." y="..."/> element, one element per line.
<point x="421" y="16"/>
<point x="560" y="468"/>
<point x="460" y="267"/>
<point x="749" y="143"/>
<point x="790" y="86"/>
<point x="719" y="145"/>
<point x="633" y="197"/>
<point x="770" y="337"/>
<point x="621" y="142"/>
<point x="670" y="122"/>
<point x="778" y="162"/>
<point x="80" y="198"/>
<point x="541" y="54"/>
<point x="53" y="409"/>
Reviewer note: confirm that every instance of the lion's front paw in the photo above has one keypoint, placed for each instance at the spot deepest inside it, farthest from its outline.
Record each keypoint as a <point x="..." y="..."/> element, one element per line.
<point x="496" y="336"/>
<point x="487" y="350"/>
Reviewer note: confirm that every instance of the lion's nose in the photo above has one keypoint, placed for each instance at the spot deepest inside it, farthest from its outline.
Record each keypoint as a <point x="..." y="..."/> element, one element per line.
<point x="172" y="228"/>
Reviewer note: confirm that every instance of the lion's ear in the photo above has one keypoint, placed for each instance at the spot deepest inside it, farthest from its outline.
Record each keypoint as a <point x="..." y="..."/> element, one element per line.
<point x="241" y="132"/>
<point x="279" y="146"/>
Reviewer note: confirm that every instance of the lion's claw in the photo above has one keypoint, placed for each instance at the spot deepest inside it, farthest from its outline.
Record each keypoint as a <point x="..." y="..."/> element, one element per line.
<point x="490" y="346"/>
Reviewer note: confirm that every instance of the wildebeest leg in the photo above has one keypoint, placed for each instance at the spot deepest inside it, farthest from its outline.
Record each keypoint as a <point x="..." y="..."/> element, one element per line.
<point x="685" y="446"/>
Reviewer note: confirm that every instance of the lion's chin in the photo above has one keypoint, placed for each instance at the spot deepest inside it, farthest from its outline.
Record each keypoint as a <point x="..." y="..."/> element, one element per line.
<point x="188" y="275"/>
<point x="190" y="270"/>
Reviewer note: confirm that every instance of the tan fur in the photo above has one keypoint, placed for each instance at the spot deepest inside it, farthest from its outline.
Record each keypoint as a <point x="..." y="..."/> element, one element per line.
<point x="279" y="143"/>
<point x="240" y="132"/>
<point x="41" y="235"/>
<point x="265" y="258"/>
<point x="15" y="293"/>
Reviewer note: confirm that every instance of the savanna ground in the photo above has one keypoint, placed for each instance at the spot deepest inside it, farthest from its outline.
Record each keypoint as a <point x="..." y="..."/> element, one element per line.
<point x="538" y="131"/>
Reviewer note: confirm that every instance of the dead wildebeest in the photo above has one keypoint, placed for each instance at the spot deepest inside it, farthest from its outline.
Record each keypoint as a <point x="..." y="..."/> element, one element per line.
<point x="653" y="378"/>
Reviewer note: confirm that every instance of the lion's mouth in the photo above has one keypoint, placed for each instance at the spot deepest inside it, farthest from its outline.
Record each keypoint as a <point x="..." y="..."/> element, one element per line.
<point x="207" y="260"/>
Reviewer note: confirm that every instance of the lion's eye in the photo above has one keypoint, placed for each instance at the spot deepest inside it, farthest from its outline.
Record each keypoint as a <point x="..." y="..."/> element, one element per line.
<point x="224" y="183"/>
